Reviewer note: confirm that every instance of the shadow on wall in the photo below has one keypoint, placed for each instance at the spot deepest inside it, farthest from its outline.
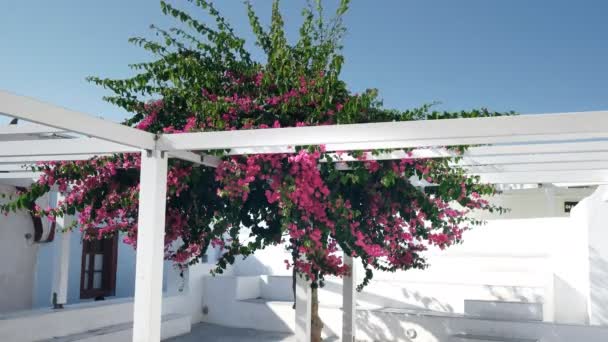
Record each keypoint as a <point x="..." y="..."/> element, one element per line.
<point x="599" y="288"/>
<point x="422" y="302"/>
<point x="428" y="303"/>
<point x="513" y="293"/>
<point x="385" y="326"/>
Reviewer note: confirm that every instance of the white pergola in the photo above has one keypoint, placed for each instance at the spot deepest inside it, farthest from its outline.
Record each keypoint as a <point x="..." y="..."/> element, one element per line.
<point x="525" y="149"/>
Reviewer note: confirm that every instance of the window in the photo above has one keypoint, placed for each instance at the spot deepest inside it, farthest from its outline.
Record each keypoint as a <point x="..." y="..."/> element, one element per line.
<point x="98" y="271"/>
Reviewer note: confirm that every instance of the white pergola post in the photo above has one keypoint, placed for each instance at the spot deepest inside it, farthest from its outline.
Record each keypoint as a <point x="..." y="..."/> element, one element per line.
<point x="147" y="307"/>
<point x="303" y="309"/>
<point x="349" y="301"/>
<point x="61" y="264"/>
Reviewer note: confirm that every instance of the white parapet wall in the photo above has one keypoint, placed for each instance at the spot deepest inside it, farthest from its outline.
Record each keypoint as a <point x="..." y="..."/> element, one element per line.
<point x="45" y="324"/>
<point x="591" y="216"/>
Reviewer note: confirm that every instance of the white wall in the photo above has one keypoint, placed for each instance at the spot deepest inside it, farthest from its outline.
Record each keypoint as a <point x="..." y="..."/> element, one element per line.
<point x="539" y="202"/>
<point x="592" y="217"/>
<point x="518" y="256"/>
<point x="18" y="256"/>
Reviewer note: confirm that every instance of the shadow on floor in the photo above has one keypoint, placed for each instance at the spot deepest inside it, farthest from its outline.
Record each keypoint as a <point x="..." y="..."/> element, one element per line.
<point x="216" y="333"/>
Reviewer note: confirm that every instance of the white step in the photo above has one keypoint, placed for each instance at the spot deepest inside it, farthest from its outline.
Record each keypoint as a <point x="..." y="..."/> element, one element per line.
<point x="493" y="309"/>
<point x="172" y="325"/>
<point x="480" y="338"/>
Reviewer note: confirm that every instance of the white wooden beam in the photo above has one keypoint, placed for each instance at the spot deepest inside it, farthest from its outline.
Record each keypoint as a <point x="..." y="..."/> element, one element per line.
<point x="27" y="129"/>
<point x="150" y="248"/>
<point x="582" y="177"/>
<point x="188" y="156"/>
<point x="46" y="158"/>
<point x="207" y="160"/>
<point x="540" y="148"/>
<point x="64" y="119"/>
<point x="508" y="129"/>
<point x="540" y="167"/>
<point x="16" y="163"/>
<point x="421" y="153"/>
<point x="262" y="150"/>
<point x="535" y="158"/>
<point x="578" y="148"/>
<point x="15" y="168"/>
<point x="499" y="162"/>
<point x="349" y="302"/>
<point x="19" y="175"/>
<point x="63" y="147"/>
<point x="483" y="155"/>
<point x="212" y="161"/>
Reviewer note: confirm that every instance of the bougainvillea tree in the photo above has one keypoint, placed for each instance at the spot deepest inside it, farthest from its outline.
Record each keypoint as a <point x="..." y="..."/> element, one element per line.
<point x="203" y="78"/>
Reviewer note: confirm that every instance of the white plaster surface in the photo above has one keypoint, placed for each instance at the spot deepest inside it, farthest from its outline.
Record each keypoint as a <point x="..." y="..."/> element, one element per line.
<point x="591" y="216"/>
<point x="18" y="256"/>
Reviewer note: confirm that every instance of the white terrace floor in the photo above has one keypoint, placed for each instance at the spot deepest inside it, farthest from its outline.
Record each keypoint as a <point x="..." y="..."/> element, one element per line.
<point x="216" y="333"/>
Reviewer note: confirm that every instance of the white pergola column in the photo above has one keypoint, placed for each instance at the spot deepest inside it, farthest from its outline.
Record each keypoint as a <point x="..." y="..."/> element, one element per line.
<point x="349" y="301"/>
<point x="147" y="308"/>
<point x="61" y="262"/>
<point x="303" y="309"/>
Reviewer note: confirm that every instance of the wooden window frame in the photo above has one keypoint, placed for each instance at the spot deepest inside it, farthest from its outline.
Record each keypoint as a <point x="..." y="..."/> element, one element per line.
<point x="110" y="253"/>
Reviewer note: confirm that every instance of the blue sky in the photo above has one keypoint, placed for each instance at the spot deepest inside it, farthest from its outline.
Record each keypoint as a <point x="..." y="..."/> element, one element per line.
<point x="529" y="56"/>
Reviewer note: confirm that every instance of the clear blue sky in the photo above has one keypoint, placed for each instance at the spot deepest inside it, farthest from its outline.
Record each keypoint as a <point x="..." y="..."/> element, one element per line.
<point x="531" y="56"/>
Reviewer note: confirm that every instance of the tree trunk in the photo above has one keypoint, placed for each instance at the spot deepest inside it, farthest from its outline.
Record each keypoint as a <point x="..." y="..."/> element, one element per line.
<point x="316" y="323"/>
